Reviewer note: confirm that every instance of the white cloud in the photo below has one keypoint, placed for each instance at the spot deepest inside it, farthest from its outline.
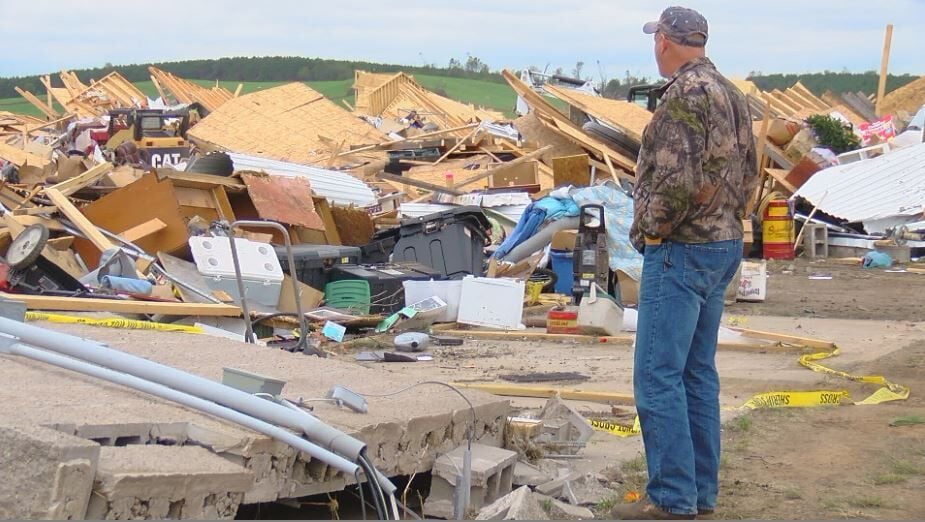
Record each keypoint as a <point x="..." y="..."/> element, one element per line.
<point x="781" y="36"/>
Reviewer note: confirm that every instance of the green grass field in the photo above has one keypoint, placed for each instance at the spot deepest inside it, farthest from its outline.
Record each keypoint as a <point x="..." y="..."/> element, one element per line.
<point x="485" y="94"/>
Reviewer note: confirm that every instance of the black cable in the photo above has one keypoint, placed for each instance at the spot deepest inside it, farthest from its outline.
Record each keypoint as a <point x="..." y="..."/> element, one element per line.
<point x="374" y="486"/>
<point x="356" y="475"/>
<point x="374" y="479"/>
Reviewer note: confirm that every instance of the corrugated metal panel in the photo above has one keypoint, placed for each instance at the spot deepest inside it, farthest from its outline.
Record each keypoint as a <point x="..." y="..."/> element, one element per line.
<point x="892" y="185"/>
<point x="512" y="212"/>
<point x="337" y="187"/>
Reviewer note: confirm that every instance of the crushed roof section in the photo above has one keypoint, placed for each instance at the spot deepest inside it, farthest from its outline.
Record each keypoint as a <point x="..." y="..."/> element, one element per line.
<point x="292" y="122"/>
<point x="883" y="187"/>
<point x="627" y="117"/>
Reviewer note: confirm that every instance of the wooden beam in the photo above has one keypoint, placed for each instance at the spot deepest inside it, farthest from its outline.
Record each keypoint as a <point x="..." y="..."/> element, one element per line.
<point x="760" y="145"/>
<point x="780" y="177"/>
<point x="90" y="304"/>
<point x="237" y="90"/>
<point x="502" y="166"/>
<point x="145" y="229"/>
<point x="459" y="143"/>
<point x="79" y="220"/>
<point x="70" y="186"/>
<point x="29" y="211"/>
<point x="46" y="109"/>
<point x="419" y="184"/>
<point x="418" y="137"/>
<point x="511" y="390"/>
<point x="884" y="67"/>
<point x="788" y="339"/>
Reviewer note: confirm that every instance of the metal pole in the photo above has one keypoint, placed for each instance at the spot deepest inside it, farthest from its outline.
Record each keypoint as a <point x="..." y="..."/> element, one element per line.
<point x="326" y="436"/>
<point x="282" y="435"/>
<point x="303" y="325"/>
<point x="249" y="333"/>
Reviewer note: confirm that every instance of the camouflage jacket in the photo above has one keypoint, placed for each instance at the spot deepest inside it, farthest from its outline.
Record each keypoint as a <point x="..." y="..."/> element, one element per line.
<point x="697" y="166"/>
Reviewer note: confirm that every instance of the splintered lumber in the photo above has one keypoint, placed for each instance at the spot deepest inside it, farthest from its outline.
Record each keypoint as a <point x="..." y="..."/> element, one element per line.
<point x="511" y="390"/>
<point x="70" y="186"/>
<point x="502" y="166"/>
<point x="557" y="121"/>
<point x="389" y="143"/>
<point x="80" y="221"/>
<point x="423" y="184"/>
<point x="91" y="304"/>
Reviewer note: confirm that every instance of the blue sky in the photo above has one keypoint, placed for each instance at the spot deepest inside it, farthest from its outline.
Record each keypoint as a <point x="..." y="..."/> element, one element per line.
<point x="776" y="36"/>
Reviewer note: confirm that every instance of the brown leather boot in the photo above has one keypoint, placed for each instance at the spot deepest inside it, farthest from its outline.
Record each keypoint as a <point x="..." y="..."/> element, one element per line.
<point x="644" y="510"/>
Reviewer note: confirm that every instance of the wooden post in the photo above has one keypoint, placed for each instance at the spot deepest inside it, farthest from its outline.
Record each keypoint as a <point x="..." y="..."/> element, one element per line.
<point x="884" y="66"/>
<point x="762" y="143"/>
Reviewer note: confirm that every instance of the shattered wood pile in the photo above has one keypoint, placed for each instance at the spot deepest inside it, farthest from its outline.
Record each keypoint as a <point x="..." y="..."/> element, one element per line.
<point x="605" y="155"/>
<point x="112" y="91"/>
<point x="175" y="89"/>
<point x="398" y="96"/>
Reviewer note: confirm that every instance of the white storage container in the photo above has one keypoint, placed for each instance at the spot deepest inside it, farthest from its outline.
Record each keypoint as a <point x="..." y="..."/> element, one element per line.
<point x="448" y="291"/>
<point x="599" y="315"/>
<point x="496" y="303"/>
<point x="260" y="268"/>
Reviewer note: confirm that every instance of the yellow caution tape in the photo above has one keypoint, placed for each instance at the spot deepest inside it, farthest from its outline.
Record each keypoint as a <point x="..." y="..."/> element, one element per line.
<point x="113" y="322"/>
<point x="889" y="391"/>
<point x="620" y="430"/>
<point x="796" y="399"/>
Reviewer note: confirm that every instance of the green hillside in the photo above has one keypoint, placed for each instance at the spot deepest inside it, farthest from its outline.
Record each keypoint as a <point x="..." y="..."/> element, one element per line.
<point x="478" y="92"/>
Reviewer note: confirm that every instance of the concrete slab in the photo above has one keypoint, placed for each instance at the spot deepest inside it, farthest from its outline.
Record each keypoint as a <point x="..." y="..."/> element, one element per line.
<point x="167" y="482"/>
<point x="45" y="474"/>
<point x="404" y="432"/>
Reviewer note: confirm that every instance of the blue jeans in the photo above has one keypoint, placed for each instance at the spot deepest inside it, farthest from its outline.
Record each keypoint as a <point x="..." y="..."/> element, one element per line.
<point x="675" y="379"/>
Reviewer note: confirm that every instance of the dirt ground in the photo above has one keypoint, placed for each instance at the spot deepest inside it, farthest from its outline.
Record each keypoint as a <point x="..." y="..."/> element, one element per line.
<point x="821" y="463"/>
<point x="852" y="292"/>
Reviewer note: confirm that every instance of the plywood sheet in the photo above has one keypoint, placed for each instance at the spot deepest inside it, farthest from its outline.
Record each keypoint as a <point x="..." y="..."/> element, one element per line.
<point x="625" y="116"/>
<point x="908" y="98"/>
<point x="283" y="199"/>
<point x="292" y="122"/>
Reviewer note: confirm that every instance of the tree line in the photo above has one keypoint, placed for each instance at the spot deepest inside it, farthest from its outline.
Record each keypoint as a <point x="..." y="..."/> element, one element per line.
<point x="837" y="82"/>
<point x="259" y="69"/>
<point x="295" y="68"/>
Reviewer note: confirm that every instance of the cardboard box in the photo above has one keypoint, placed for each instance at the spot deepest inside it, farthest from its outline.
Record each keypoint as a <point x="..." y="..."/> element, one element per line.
<point x="516" y="176"/>
<point x="564" y="240"/>
<point x="753" y="283"/>
<point x="629" y="289"/>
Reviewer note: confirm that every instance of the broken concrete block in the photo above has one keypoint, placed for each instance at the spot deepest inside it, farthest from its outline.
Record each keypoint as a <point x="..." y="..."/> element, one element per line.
<point x="578" y="489"/>
<point x="492" y="478"/>
<point x="564" y="429"/>
<point x="526" y="474"/>
<point x="45" y="474"/>
<point x="523" y="504"/>
<point x="166" y="482"/>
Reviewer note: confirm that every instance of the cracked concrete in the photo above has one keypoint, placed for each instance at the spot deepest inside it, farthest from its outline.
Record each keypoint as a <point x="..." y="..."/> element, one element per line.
<point x="404" y="432"/>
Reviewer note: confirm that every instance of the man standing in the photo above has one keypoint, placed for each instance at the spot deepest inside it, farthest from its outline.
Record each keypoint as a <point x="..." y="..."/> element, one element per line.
<point x="696" y="170"/>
